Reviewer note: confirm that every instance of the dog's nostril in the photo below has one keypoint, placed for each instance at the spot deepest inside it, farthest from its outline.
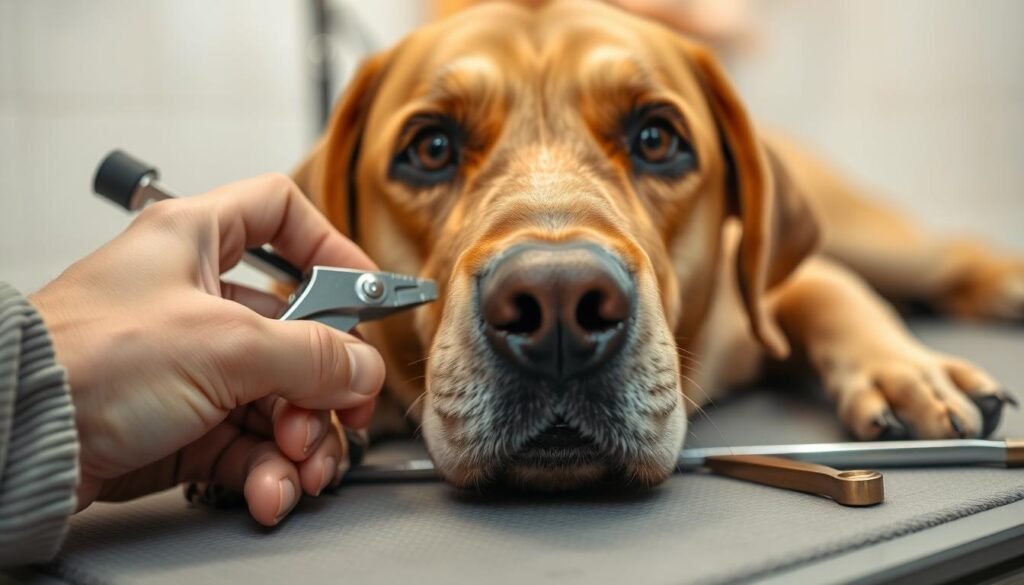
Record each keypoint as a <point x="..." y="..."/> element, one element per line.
<point x="528" y="316"/>
<point x="596" y="312"/>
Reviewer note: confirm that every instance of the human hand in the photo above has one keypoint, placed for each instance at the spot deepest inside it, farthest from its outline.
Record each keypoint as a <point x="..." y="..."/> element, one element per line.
<point x="178" y="376"/>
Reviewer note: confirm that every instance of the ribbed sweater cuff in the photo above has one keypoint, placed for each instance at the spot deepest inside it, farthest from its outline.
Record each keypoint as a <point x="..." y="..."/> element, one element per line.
<point x="38" y="442"/>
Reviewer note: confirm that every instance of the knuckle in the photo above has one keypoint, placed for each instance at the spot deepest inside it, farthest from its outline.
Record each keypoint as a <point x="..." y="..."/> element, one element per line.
<point x="279" y="181"/>
<point x="326" y="356"/>
<point x="239" y="344"/>
<point x="166" y="214"/>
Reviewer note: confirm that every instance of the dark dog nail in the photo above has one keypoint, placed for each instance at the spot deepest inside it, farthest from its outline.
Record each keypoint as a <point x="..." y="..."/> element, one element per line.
<point x="1008" y="397"/>
<point x="958" y="425"/>
<point x="892" y="428"/>
<point x="356" y="447"/>
<point x="991" y="407"/>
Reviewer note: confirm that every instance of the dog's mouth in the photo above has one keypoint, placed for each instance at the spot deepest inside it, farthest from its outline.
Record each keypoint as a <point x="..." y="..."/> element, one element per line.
<point x="558" y="446"/>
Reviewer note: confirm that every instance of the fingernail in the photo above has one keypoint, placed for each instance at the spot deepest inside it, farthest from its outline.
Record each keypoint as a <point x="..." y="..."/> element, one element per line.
<point x="360" y="360"/>
<point x="314" y="428"/>
<point x="330" y="470"/>
<point x="287" y="501"/>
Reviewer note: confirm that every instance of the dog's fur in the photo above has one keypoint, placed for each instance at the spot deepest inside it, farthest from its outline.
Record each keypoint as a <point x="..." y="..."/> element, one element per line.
<point x="759" y="252"/>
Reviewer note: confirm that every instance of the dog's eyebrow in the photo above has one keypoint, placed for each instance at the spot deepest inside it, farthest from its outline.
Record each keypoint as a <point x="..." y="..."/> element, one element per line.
<point x="470" y="79"/>
<point x="615" y="73"/>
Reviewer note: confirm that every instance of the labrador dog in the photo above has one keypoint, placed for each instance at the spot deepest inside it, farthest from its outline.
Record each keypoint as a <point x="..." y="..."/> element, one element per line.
<point x="616" y="243"/>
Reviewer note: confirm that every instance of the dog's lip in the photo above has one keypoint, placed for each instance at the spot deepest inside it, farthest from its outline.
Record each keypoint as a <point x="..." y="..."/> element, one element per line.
<point x="559" y="436"/>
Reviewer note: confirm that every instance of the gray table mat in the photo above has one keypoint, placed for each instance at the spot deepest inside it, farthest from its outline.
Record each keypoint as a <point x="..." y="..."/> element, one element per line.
<point x="695" y="528"/>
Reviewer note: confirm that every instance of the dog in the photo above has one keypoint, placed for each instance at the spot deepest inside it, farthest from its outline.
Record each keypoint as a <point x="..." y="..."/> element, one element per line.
<point x="616" y="243"/>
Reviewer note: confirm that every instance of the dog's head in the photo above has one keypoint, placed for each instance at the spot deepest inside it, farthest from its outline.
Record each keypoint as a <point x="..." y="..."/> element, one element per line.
<point x="565" y="175"/>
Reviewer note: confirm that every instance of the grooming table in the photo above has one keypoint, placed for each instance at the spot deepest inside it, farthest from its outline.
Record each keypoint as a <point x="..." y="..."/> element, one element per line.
<point x="696" y="528"/>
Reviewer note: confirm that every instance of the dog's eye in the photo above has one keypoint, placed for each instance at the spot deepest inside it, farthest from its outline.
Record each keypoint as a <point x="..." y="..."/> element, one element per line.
<point x="430" y="158"/>
<point x="657" y="143"/>
<point x="431" y="150"/>
<point x="658" y="149"/>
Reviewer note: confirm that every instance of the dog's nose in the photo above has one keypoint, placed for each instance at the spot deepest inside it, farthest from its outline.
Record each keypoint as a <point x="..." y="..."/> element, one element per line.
<point x="557" y="309"/>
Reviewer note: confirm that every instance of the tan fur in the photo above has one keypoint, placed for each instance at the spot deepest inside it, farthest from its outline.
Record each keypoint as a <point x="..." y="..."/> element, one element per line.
<point x="719" y="255"/>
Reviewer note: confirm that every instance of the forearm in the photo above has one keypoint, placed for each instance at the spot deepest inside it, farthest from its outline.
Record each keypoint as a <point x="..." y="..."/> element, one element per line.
<point x="38" y="442"/>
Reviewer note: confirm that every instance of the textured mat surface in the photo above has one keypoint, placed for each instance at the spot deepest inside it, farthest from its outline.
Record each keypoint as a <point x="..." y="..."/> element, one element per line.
<point x="694" y="528"/>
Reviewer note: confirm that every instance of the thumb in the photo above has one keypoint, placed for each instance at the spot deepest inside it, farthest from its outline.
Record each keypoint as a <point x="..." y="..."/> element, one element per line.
<point x="314" y="366"/>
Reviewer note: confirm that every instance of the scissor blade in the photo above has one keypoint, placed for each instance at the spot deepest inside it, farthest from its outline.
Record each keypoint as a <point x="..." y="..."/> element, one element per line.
<point x="423" y="292"/>
<point x="343" y="298"/>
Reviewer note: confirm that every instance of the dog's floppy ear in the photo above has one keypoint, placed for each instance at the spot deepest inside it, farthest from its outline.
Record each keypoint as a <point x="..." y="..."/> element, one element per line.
<point x="779" y="227"/>
<point x="327" y="174"/>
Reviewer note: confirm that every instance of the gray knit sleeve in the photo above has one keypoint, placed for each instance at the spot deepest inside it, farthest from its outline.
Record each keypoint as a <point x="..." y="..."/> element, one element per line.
<point x="38" y="442"/>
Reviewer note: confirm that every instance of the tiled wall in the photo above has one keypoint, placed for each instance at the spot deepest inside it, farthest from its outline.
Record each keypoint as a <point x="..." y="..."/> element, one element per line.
<point x="922" y="98"/>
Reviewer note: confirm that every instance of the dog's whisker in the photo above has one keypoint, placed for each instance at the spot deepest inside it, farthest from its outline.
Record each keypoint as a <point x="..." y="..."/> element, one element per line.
<point x="419" y="361"/>
<point x="726" y="441"/>
<point x="413" y="405"/>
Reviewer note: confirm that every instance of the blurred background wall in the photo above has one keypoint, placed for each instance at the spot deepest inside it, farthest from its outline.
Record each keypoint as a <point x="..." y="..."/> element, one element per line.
<point x="922" y="99"/>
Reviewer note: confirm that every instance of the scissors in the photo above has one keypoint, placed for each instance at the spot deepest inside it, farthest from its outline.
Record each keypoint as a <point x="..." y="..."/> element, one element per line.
<point x="338" y="297"/>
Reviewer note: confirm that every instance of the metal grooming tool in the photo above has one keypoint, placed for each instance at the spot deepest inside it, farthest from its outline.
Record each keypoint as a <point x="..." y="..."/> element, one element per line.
<point x="849" y="488"/>
<point x="881" y="454"/>
<point x="337" y="297"/>
<point x="940" y="453"/>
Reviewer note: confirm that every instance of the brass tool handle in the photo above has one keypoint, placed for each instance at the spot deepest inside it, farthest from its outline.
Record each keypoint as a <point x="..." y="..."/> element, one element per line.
<point x="850" y="488"/>
<point x="1015" y="452"/>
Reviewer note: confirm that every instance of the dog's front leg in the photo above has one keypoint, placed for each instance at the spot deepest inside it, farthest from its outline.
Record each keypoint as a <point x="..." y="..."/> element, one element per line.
<point x="883" y="380"/>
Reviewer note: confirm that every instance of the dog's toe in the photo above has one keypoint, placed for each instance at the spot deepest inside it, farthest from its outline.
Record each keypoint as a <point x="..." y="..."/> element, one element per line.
<point x="958" y="425"/>
<point x="919" y="394"/>
<point x="890" y="427"/>
<point x="992" y="290"/>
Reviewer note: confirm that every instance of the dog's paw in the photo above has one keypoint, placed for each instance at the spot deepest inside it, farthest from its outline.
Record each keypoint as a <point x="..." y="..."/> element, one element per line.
<point x="987" y="288"/>
<point x="913" y="393"/>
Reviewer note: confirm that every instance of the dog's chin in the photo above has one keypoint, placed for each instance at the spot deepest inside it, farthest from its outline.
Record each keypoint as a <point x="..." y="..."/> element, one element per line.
<point x="572" y="476"/>
<point x="527" y="477"/>
<point x="558" y="460"/>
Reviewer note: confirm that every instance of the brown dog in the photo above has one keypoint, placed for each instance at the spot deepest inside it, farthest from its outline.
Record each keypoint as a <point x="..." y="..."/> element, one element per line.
<point x="614" y="241"/>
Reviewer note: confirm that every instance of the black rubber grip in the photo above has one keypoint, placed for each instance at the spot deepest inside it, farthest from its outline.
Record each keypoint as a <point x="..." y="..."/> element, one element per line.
<point x="277" y="262"/>
<point x="118" y="176"/>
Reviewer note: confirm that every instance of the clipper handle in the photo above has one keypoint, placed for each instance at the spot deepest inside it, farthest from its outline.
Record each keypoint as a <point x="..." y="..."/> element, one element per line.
<point x="119" y="176"/>
<point x="130" y="183"/>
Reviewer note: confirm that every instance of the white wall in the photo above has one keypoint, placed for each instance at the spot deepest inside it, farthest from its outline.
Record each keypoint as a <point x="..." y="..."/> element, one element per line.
<point x="923" y="98"/>
<point x="209" y="91"/>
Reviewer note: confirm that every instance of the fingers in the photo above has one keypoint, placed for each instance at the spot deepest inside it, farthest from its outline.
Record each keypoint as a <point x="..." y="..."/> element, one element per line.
<point x="299" y="432"/>
<point x="271" y="484"/>
<point x="312" y="366"/>
<point x="358" y="417"/>
<point x="325" y="466"/>
<point x="243" y="462"/>
<point x="271" y="208"/>
<point x="257" y="468"/>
